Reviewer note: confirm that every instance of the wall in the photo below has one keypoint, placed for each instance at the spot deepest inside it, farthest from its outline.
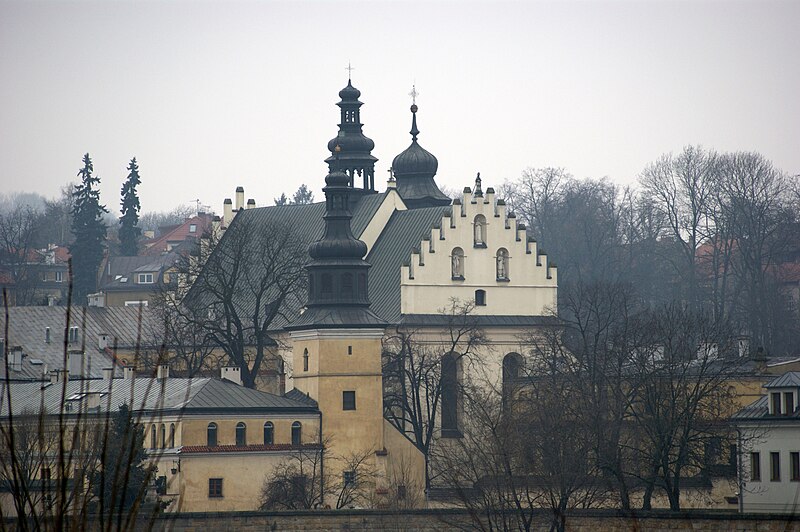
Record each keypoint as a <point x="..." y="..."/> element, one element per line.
<point x="767" y="495"/>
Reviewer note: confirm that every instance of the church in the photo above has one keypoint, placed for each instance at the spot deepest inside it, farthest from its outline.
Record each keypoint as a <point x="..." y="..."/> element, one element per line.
<point x="382" y="260"/>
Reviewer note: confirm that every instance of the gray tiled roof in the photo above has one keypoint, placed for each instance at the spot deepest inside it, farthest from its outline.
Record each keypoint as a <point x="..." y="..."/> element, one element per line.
<point x="186" y="396"/>
<point x="27" y="329"/>
<point x="126" y="267"/>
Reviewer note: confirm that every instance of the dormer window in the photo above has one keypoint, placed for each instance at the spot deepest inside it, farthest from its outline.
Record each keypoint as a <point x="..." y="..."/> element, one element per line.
<point x="775" y="403"/>
<point x="145" y="278"/>
<point x="788" y="403"/>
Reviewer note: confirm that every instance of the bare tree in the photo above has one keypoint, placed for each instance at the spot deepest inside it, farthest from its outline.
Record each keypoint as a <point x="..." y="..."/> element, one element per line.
<point x="19" y="230"/>
<point x="297" y="482"/>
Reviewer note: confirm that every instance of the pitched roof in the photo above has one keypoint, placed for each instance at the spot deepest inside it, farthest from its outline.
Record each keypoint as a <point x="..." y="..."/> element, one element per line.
<point x="179" y="395"/>
<point x="119" y="271"/>
<point x="27" y="325"/>
<point x="790" y="379"/>
<point x="178" y="233"/>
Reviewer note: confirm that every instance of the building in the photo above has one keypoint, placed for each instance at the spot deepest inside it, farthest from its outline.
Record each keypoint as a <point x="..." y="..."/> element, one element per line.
<point x="134" y="281"/>
<point x="769" y="443"/>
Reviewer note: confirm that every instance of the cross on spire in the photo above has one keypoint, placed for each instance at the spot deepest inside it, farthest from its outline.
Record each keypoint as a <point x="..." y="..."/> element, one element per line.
<point x="349" y="70"/>
<point x="413" y="94"/>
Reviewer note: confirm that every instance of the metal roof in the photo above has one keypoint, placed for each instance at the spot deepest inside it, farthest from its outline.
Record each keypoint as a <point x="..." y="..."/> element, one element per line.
<point x="790" y="379"/>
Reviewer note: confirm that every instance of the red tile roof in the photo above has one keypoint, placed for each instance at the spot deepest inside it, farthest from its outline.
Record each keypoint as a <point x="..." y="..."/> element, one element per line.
<point x="178" y="233"/>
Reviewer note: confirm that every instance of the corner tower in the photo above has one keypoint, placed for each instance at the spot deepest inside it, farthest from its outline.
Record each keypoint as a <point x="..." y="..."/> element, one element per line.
<point x="355" y="156"/>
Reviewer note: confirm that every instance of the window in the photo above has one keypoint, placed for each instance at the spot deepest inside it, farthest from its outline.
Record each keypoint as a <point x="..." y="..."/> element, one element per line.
<point x="449" y="396"/>
<point x="192" y="228"/>
<point x="775" y="467"/>
<point x="794" y="462"/>
<point x="457" y="266"/>
<point x="755" y="467"/>
<point x="241" y="434"/>
<point x="776" y="403"/>
<point x="327" y="284"/>
<point x="145" y="278"/>
<point x="349" y="400"/>
<point x="349" y="478"/>
<point x="153" y="437"/>
<point x="211" y="435"/>
<point x="59" y="277"/>
<point x="305" y="359"/>
<point x="480" y="231"/>
<point x="349" y="349"/>
<point x="511" y="365"/>
<point x="163" y="436"/>
<point x="297" y="433"/>
<point x="502" y="264"/>
<point x="214" y="488"/>
<point x="45" y="473"/>
<point x="480" y="298"/>
<point x="401" y="491"/>
<point x="788" y="403"/>
<point x="347" y="284"/>
<point x="269" y="433"/>
<point x="172" y="435"/>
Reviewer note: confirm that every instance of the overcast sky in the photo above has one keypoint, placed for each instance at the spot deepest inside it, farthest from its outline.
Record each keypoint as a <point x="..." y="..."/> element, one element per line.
<point x="211" y="95"/>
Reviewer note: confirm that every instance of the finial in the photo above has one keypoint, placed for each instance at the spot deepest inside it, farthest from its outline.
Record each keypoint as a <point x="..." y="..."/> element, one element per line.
<point x="478" y="191"/>
<point x="413" y="95"/>
<point x="349" y="71"/>
<point x="391" y="175"/>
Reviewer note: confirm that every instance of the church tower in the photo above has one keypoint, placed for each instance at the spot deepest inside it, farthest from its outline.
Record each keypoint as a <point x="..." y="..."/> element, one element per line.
<point x="354" y="157"/>
<point x="336" y="342"/>
<point x="414" y="169"/>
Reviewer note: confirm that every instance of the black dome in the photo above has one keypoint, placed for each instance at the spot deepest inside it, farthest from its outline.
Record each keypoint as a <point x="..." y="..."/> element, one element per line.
<point x="415" y="161"/>
<point x="337" y="179"/>
<point x="349" y="93"/>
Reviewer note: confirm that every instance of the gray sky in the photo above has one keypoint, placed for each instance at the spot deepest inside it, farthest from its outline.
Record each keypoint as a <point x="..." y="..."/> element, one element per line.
<point x="213" y="95"/>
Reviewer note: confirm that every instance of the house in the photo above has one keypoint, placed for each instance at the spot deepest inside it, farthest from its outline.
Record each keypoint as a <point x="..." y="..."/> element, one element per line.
<point x="36" y="277"/>
<point x="134" y="281"/>
<point x="769" y="448"/>
<point x="172" y="237"/>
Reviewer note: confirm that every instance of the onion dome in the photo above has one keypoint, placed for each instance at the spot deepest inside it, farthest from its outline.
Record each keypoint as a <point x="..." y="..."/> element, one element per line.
<point x="349" y="93"/>
<point x="414" y="169"/>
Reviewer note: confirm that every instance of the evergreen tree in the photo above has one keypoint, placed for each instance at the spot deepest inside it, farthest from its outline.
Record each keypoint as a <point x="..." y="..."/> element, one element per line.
<point x="90" y="233"/>
<point x="124" y="472"/>
<point x="303" y="196"/>
<point x="283" y="200"/>
<point x="129" y="230"/>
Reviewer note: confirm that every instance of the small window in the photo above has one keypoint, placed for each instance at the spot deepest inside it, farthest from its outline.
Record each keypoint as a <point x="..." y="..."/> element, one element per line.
<point x="349" y="349"/>
<point x="349" y="400"/>
<point x="305" y="359"/>
<point x="214" y="488"/>
<point x="775" y="467"/>
<point x="327" y="283"/>
<point x="241" y="434"/>
<point x="401" y="491"/>
<point x="163" y="436"/>
<point x="788" y="403"/>
<point x="480" y="297"/>
<point x="349" y="478"/>
<point x="192" y="228"/>
<point x="211" y="435"/>
<point x="153" y="437"/>
<point x="145" y="278"/>
<point x="45" y="473"/>
<point x="776" y="403"/>
<point x="297" y="433"/>
<point x="59" y="277"/>
<point x="347" y="284"/>
<point x="172" y="435"/>
<point x="269" y="433"/>
<point x="755" y="467"/>
<point x="794" y="460"/>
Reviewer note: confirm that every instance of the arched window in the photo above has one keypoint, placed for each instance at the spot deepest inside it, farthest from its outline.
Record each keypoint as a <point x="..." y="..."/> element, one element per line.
<point x="211" y="435"/>
<point x="172" y="435"/>
<point x="305" y="359"/>
<point x="480" y="297"/>
<point x="297" y="433"/>
<point x="449" y="396"/>
<point x="241" y="434"/>
<point x="362" y="285"/>
<point x="163" y="436"/>
<point x="502" y="264"/>
<point x="347" y="284"/>
<point x="512" y="363"/>
<point x="480" y="231"/>
<point x="269" y="433"/>
<point x="327" y="284"/>
<point x="153" y="437"/>
<point x="457" y="267"/>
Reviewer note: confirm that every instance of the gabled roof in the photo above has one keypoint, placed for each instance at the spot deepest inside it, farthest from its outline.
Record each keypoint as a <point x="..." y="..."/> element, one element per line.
<point x="790" y="379"/>
<point x="178" y="233"/>
<point x="119" y="272"/>
<point x="26" y="328"/>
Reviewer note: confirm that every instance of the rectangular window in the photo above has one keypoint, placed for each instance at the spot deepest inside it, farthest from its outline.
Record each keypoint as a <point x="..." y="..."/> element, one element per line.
<point x="192" y="228"/>
<point x="59" y="277"/>
<point x="215" y="488"/>
<point x="401" y="491"/>
<point x="349" y="478"/>
<point x="788" y="403"/>
<point x="349" y="349"/>
<point x="145" y="278"/>
<point x="794" y="459"/>
<point x="775" y="467"/>
<point x="45" y="473"/>
<point x="755" y="467"/>
<point x="349" y="400"/>
<point x="776" y="403"/>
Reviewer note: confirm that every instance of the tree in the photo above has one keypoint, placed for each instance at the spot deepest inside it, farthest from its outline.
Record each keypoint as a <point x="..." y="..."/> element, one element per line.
<point x="129" y="230"/>
<point x="18" y="235"/>
<point x="412" y="373"/>
<point x="251" y="277"/>
<point x="282" y="200"/>
<point x="58" y="218"/>
<point x="89" y="230"/>
<point x="296" y="483"/>
<point x="303" y="196"/>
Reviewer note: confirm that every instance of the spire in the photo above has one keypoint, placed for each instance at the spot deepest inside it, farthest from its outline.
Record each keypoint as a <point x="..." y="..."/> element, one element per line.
<point x="355" y="158"/>
<point x="415" y="169"/>
<point x="337" y="273"/>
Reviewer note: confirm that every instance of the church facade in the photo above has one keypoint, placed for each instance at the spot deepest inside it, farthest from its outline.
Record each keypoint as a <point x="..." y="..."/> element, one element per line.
<point x="391" y="259"/>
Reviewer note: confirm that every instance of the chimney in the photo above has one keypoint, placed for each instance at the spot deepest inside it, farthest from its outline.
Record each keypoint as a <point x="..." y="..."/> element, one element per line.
<point x="47" y="335"/>
<point x="76" y="363"/>
<point x="108" y="374"/>
<point x="251" y="203"/>
<point x="129" y="373"/>
<point x="227" y="212"/>
<point x="216" y="222"/>
<point x="103" y="341"/>
<point x="54" y="376"/>
<point x="239" y="198"/>
<point x="232" y="373"/>
<point x="163" y="371"/>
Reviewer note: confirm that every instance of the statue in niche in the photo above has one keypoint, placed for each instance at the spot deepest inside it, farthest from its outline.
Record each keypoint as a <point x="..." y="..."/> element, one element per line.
<point x="502" y="265"/>
<point x="478" y="232"/>
<point x="456" y="264"/>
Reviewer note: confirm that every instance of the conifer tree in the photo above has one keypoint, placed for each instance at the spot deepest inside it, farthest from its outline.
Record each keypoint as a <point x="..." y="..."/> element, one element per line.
<point x="303" y="196"/>
<point x="129" y="230"/>
<point x="90" y="233"/>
